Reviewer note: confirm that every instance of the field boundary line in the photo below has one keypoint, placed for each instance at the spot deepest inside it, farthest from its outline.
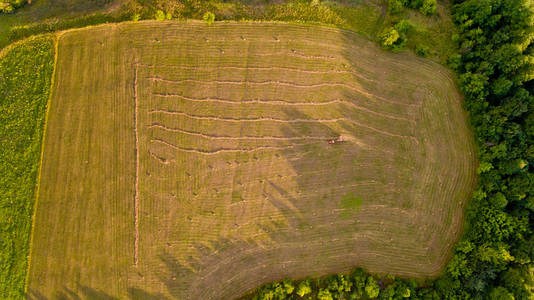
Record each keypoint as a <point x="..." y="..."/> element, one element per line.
<point x="136" y="197"/>
<point x="55" y="39"/>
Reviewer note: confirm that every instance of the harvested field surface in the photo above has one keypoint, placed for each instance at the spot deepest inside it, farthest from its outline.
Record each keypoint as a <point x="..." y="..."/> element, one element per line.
<point x="192" y="161"/>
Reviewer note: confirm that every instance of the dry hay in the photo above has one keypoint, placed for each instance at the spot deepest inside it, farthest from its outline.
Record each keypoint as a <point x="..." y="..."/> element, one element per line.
<point x="191" y="161"/>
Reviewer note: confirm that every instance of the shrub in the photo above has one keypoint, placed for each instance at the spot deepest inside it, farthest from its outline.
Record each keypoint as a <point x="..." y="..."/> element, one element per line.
<point x="454" y="61"/>
<point x="403" y="26"/>
<point x="421" y="50"/>
<point x="288" y="286"/>
<point x="304" y="288"/>
<point x="395" y="6"/>
<point x="428" y="7"/>
<point x="208" y="17"/>
<point x="389" y="37"/>
<point x="324" y="294"/>
<point x="160" y="15"/>
<point x="372" y="289"/>
<point x="9" y="6"/>
<point x="392" y="39"/>
<point x="6" y="8"/>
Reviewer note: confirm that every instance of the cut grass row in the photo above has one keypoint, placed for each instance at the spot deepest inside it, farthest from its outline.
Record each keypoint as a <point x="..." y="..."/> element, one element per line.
<point x="25" y="76"/>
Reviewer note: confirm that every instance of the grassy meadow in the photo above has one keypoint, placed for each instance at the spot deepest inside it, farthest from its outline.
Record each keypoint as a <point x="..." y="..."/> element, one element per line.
<point x="25" y="75"/>
<point x="48" y="11"/>
<point x="191" y="161"/>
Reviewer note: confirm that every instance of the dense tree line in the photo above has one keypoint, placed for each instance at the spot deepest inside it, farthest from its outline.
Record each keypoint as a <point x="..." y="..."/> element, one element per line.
<point x="494" y="259"/>
<point x="357" y="285"/>
<point x="495" y="69"/>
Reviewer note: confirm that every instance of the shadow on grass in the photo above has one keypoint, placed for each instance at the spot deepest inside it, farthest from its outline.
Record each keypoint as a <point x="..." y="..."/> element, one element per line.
<point x="305" y="236"/>
<point x="83" y="293"/>
<point x="139" y="294"/>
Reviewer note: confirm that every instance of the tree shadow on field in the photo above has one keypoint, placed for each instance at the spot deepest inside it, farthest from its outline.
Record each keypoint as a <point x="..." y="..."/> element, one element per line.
<point x="228" y="265"/>
<point x="139" y="294"/>
<point x="35" y="295"/>
<point x="84" y="292"/>
<point x="306" y="225"/>
<point x="177" y="276"/>
<point x="292" y="217"/>
<point x="93" y="294"/>
<point x="182" y="279"/>
<point x="67" y="294"/>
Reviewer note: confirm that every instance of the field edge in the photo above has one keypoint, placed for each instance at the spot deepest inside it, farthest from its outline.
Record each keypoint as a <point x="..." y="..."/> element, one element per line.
<point x="55" y="40"/>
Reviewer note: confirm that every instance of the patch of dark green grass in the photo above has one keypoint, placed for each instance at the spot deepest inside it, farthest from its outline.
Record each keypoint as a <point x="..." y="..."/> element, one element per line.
<point x="350" y="201"/>
<point x="350" y="204"/>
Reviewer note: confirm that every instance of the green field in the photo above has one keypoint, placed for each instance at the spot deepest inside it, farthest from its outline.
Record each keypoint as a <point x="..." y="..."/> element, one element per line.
<point x="190" y="161"/>
<point x="25" y="74"/>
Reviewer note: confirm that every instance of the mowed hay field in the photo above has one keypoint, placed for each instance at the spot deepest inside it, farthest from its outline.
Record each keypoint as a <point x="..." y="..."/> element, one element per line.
<point x="190" y="161"/>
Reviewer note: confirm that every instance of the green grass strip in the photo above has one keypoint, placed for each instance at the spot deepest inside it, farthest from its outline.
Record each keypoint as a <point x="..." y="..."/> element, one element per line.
<point x="25" y="79"/>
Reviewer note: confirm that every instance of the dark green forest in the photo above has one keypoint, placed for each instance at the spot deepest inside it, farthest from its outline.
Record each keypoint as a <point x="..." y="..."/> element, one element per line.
<point x="494" y="259"/>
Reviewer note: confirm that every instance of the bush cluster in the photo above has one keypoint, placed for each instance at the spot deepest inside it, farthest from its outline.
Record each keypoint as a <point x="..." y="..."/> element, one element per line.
<point x="209" y="18"/>
<point x="9" y="6"/>
<point x="394" y="38"/>
<point x="357" y="285"/>
<point x="426" y="7"/>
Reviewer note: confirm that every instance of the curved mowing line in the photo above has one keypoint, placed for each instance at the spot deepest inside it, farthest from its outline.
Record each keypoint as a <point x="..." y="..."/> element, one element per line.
<point x="265" y="69"/>
<point x="294" y="54"/>
<point x="282" y="103"/>
<point x="264" y="119"/>
<point x="226" y="150"/>
<point x="285" y="83"/>
<point x="253" y="68"/>
<point x="226" y="137"/>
